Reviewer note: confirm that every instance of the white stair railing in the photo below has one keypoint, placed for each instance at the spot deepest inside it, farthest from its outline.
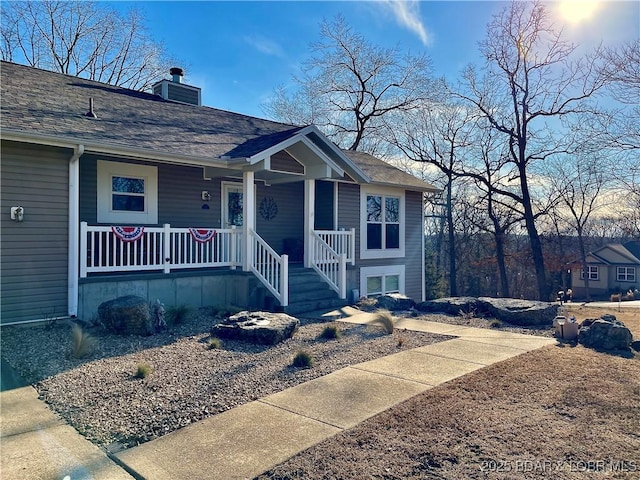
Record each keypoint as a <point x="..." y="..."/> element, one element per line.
<point x="330" y="265"/>
<point x="341" y="241"/>
<point x="272" y="269"/>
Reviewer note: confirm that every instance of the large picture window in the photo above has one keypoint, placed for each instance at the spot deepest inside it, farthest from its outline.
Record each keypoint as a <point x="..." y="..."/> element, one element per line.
<point x="626" y="274"/>
<point x="127" y="193"/>
<point x="382" y="227"/>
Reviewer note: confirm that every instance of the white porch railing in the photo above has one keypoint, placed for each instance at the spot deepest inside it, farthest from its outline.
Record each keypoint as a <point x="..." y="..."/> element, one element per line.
<point x="159" y="248"/>
<point x="272" y="269"/>
<point x="341" y="242"/>
<point x="330" y="265"/>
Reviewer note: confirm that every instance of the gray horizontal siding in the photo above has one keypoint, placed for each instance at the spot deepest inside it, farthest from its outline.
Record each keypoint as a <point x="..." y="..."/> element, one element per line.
<point x="289" y="221"/>
<point x="349" y="209"/>
<point x="182" y="94"/>
<point x="179" y="194"/>
<point x="413" y="245"/>
<point x="349" y="217"/>
<point x="34" y="252"/>
<point x="283" y="162"/>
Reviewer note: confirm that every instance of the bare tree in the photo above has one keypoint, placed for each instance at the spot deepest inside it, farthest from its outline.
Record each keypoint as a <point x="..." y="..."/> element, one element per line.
<point x="349" y="85"/>
<point x="83" y="39"/>
<point x="495" y="197"/>
<point x="437" y="133"/>
<point x="579" y="182"/>
<point x="528" y="86"/>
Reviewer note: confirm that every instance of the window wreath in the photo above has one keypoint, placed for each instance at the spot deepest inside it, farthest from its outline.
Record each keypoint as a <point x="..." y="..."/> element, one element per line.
<point x="268" y="208"/>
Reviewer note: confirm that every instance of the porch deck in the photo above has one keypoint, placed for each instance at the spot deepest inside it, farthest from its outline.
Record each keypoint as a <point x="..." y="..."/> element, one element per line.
<point x="111" y="249"/>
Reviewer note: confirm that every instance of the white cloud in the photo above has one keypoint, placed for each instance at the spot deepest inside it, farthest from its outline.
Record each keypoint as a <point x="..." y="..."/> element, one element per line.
<point x="264" y="45"/>
<point x="407" y="13"/>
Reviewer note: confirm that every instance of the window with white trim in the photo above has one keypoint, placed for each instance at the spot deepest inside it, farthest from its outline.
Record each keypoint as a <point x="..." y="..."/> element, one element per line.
<point x="127" y="193"/>
<point x="382" y="223"/>
<point x="592" y="272"/>
<point x="626" y="274"/>
<point x="376" y="281"/>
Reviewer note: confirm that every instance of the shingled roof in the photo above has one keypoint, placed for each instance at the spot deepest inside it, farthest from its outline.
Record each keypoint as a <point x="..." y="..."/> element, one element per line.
<point x="382" y="173"/>
<point x="53" y="105"/>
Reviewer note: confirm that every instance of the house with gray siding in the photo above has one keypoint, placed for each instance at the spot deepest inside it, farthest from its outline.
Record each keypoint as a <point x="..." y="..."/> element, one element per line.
<point x="107" y="191"/>
<point x="611" y="269"/>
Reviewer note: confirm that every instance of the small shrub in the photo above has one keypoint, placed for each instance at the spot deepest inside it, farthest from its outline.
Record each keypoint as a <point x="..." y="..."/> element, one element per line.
<point x="495" y="323"/>
<point x="331" y="332"/>
<point x="384" y="319"/>
<point x="143" y="370"/>
<point x="367" y="304"/>
<point x="82" y="343"/>
<point x="177" y="314"/>
<point x="401" y="341"/>
<point x="214" y="343"/>
<point x="303" y="360"/>
<point x="468" y="315"/>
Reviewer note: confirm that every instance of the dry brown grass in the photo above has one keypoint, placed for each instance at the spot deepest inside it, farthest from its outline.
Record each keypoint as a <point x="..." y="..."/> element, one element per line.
<point x="383" y="318"/>
<point x="629" y="316"/>
<point x="544" y="414"/>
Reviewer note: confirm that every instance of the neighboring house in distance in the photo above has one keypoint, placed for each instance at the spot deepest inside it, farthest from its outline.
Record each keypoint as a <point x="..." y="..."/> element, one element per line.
<point x="613" y="268"/>
<point x="108" y="191"/>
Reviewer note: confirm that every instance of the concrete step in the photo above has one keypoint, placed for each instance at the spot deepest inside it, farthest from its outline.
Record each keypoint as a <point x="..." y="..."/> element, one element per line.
<point x="312" y="305"/>
<point x="307" y="285"/>
<point x="320" y="292"/>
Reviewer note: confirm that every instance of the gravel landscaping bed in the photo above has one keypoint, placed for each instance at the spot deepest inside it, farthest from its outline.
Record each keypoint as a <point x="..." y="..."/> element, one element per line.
<point x="102" y="398"/>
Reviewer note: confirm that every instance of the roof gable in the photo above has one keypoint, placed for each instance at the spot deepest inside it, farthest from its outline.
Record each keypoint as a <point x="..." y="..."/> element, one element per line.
<point x="615" y="254"/>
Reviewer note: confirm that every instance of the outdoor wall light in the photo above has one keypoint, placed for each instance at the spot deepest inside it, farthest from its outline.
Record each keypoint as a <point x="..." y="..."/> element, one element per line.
<point x="206" y="196"/>
<point x="17" y="214"/>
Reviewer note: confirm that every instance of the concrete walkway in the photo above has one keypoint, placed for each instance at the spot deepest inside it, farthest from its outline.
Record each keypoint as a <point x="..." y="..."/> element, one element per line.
<point x="248" y="440"/>
<point x="37" y="444"/>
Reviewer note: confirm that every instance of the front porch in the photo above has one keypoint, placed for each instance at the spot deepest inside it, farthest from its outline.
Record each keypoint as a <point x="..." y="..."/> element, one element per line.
<point x="208" y="260"/>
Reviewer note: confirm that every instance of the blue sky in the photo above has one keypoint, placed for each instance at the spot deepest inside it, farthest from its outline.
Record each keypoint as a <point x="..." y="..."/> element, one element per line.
<point x="239" y="51"/>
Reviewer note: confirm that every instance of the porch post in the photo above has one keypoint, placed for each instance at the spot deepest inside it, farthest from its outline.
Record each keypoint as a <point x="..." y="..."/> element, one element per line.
<point x="309" y="220"/>
<point x="248" y="218"/>
<point x="73" y="233"/>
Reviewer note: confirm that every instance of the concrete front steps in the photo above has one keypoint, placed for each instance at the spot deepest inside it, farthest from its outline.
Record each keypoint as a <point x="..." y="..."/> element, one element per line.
<point x="308" y="292"/>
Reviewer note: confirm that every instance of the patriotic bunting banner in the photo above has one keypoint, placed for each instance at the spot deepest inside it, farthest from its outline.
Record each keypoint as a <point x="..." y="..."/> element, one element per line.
<point x="128" y="234"/>
<point x="202" y="235"/>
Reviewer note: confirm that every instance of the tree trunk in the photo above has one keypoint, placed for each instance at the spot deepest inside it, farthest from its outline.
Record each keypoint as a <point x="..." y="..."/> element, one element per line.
<point x="534" y="239"/>
<point x="453" y="289"/>
<point x="502" y="267"/>
<point x="583" y="261"/>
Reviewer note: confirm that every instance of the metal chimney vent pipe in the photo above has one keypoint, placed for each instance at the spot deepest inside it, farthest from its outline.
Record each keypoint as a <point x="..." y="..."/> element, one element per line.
<point x="177" y="74"/>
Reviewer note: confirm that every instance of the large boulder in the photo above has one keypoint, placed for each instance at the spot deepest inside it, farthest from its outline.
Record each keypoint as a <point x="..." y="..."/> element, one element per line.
<point x="605" y="333"/>
<point x="511" y="310"/>
<point x="395" y="302"/>
<point x="519" y="312"/>
<point x="450" y="305"/>
<point x="128" y="315"/>
<point x="264" y="328"/>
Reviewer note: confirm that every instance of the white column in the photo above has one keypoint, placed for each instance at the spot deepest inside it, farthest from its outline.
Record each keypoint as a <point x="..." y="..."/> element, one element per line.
<point x="309" y="220"/>
<point x="73" y="232"/>
<point x="248" y="218"/>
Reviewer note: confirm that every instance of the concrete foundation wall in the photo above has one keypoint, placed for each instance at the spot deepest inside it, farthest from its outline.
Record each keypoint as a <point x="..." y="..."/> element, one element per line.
<point x="197" y="290"/>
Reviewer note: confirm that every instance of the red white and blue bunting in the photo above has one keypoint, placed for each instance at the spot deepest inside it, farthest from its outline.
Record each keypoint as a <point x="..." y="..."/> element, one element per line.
<point x="128" y="234"/>
<point x="202" y="235"/>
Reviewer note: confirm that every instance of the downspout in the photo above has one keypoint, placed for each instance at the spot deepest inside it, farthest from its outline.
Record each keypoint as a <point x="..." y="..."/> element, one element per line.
<point x="74" y="232"/>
